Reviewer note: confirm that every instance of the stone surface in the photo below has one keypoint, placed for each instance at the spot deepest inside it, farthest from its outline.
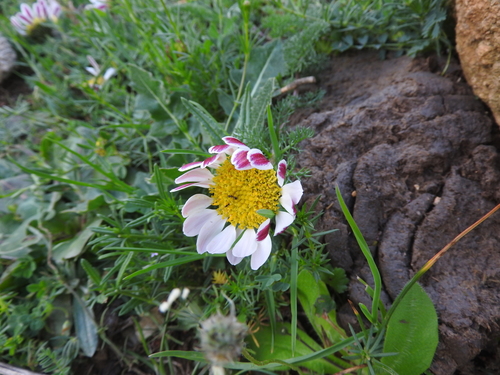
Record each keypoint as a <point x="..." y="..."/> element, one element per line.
<point x="478" y="45"/>
<point x="416" y="157"/>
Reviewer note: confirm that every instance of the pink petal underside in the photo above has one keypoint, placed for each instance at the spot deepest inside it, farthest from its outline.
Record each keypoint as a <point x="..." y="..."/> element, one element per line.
<point x="261" y="254"/>
<point x="218" y="149"/>
<point x="27" y="12"/>
<point x="240" y="161"/>
<point x="195" y="203"/>
<point x="191" y="165"/>
<point x="258" y="160"/>
<point x="198" y="184"/>
<point x="210" y="229"/>
<point x="194" y="223"/>
<point x="43" y="9"/>
<point x="15" y="22"/>
<point x="283" y="221"/>
<point x="263" y="230"/>
<point x="55" y="9"/>
<point x="195" y="175"/>
<point x="246" y="245"/>
<point x="232" y="259"/>
<point x="231" y="141"/>
<point x="223" y="241"/>
<point x="209" y="161"/>
<point x="281" y="172"/>
<point x="27" y="21"/>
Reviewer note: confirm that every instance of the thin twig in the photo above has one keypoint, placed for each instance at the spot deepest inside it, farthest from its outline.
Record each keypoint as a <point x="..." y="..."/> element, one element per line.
<point x="292" y="86"/>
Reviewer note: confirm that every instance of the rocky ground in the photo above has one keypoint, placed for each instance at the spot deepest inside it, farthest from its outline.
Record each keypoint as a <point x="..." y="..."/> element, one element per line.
<point x="416" y="156"/>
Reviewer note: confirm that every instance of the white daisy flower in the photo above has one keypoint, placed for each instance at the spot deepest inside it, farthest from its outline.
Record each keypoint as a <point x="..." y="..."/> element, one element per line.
<point x="97" y="4"/>
<point x="98" y="80"/>
<point x="243" y="182"/>
<point x="30" y="17"/>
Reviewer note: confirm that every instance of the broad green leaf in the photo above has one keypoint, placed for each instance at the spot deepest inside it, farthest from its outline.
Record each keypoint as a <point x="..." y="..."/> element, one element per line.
<point x="85" y="326"/>
<point x="17" y="244"/>
<point x="244" y="124"/>
<point x="74" y="247"/>
<point x="282" y="350"/>
<point x="412" y="332"/>
<point x="265" y="62"/>
<point x="213" y="128"/>
<point x="311" y="294"/>
<point x="145" y="84"/>
<point x="259" y="104"/>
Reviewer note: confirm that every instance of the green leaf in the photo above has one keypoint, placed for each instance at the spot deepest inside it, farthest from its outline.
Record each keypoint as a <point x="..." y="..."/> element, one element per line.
<point x="17" y="244"/>
<point x="214" y="129"/>
<point x="412" y="332"/>
<point x="265" y="62"/>
<point x="260" y="102"/>
<point x="91" y="271"/>
<point x="74" y="247"/>
<point x="145" y="84"/>
<point x="85" y="326"/>
<point x="282" y="350"/>
<point x="311" y="294"/>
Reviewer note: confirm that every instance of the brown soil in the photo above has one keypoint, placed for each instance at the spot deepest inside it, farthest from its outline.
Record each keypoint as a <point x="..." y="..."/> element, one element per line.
<point x="11" y="89"/>
<point x="416" y="157"/>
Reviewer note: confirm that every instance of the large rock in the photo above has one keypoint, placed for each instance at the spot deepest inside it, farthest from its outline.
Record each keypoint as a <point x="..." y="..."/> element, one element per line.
<point x="415" y="156"/>
<point x="478" y="45"/>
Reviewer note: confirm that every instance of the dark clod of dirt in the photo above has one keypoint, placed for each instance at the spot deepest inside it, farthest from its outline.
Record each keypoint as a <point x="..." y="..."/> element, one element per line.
<point x="415" y="156"/>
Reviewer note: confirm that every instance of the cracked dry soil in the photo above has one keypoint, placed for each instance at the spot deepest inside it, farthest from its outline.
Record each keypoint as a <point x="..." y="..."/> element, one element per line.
<point x="416" y="156"/>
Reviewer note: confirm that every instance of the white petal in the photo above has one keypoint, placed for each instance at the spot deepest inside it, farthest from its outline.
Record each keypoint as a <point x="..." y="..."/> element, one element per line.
<point x="283" y="221"/>
<point x="27" y="12"/>
<point x="235" y="142"/>
<point x="92" y="71"/>
<point x="195" y="175"/>
<point x="198" y="184"/>
<point x="110" y="72"/>
<point x="262" y="253"/>
<point x="246" y="245"/>
<point x="94" y="64"/>
<point x="195" y="203"/>
<point x="223" y="241"/>
<point x="290" y="195"/>
<point x="191" y="165"/>
<point x="232" y="259"/>
<point x="209" y="230"/>
<point x="194" y="223"/>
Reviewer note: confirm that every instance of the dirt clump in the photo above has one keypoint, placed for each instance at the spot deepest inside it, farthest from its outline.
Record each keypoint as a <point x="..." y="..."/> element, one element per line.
<point x="414" y="155"/>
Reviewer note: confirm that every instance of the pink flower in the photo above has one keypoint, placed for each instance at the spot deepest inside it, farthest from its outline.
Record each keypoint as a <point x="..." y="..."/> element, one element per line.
<point x="227" y="220"/>
<point x="30" y="17"/>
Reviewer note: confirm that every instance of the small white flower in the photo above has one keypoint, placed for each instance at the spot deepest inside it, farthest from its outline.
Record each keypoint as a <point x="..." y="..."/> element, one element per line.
<point x="185" y="293"/>
<point x="172" y="297"/>
<point x="98" y="80"/>
<point x="244" y="183"/>
<point x="30" y="17"/>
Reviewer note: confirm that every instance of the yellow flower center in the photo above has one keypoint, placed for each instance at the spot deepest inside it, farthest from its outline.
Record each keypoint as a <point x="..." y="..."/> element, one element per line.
<point x="34" y="25"/>
<point x="239" y="194"/>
